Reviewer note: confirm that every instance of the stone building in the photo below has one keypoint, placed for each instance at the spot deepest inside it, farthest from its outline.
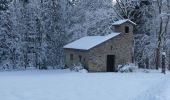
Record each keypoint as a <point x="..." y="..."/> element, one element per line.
<point x="103" y="53"/>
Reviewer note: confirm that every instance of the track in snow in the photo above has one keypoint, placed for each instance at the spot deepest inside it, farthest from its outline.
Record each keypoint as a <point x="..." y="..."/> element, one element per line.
<point x="161" y="91"/>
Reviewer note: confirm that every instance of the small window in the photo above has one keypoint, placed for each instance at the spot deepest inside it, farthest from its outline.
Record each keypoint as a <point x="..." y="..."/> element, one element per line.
<point x="132" y="59"/>
<point x="71" y="56"/>
<point x="126" y="29"/>
<point x="111" y="47"/>
<point x="80" y="58"/>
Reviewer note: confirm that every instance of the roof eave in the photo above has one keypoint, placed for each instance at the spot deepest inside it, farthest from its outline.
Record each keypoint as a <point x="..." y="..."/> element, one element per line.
<point x="76" y="49"/>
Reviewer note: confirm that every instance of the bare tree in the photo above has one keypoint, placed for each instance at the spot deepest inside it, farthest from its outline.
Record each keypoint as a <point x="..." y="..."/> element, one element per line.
<point x="163" y="20"/>
<point x="126" y="8"/>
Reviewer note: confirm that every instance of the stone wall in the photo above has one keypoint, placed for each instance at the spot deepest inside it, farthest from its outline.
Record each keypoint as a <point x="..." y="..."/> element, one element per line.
<point x="76" y="60"/>
<point x="121" y="46"/>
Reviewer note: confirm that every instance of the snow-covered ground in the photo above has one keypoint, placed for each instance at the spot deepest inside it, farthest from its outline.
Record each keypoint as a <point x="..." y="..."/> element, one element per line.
<point x="66" y="85"/>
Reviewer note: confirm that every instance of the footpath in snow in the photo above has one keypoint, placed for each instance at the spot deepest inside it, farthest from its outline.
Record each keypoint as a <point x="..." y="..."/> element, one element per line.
<point x="160" y="91"/>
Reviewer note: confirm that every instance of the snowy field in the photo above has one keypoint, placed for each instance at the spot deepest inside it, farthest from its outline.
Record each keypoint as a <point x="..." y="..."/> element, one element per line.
<point x="66" y="85"/>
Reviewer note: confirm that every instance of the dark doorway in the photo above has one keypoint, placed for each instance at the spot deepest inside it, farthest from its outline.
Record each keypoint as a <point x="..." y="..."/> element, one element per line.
<point x="126" y="29"/>
<point x="111" y="63"/>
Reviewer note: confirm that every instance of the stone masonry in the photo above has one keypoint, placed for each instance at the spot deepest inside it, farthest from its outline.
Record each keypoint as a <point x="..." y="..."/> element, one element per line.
<point x="95" y="59"/>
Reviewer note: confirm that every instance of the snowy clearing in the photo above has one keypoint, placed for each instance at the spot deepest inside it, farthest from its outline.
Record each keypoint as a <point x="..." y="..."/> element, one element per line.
<point x="66" y="85"/>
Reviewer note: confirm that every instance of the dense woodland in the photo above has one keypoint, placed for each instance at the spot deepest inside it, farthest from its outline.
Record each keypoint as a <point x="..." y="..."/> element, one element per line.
<point x="33" y="32"/>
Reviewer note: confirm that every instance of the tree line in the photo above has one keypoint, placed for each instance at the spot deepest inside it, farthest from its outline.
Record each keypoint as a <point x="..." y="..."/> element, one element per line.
<point x="33" y="32"/>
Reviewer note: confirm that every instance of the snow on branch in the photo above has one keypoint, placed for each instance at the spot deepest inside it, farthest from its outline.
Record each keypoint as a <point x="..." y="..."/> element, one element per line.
<point x="164" y="14"/>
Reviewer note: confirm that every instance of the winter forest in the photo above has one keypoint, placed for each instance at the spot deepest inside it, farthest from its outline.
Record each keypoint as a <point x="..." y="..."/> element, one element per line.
<point x="33" y="32"/>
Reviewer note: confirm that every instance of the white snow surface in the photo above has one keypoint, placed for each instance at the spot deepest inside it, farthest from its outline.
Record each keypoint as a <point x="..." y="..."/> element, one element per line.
<point x="123" y="21"/>
<point x="89" y="42"/>
<point x="164" y="53"/>
<point x="66" y="85"/>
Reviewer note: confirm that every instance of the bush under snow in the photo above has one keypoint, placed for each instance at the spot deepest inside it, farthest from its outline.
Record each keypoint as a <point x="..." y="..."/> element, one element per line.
<point x="127" y="68"/>
<point x="78" y="68"/>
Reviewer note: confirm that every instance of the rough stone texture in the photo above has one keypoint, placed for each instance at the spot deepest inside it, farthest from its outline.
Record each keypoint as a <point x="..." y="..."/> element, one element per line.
<point x="76" y="60"/>
<point x="95" y="59"/>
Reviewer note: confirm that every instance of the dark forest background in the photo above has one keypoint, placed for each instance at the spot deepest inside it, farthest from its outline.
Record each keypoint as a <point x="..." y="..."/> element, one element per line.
<point x="33" y="32"/>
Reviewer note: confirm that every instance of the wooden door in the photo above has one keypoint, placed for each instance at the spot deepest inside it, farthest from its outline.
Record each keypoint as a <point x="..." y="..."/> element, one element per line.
<point x="110" y="63"/>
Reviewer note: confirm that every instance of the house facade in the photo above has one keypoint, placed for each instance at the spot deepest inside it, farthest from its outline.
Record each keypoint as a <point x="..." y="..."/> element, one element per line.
<point x="103" y="53"/>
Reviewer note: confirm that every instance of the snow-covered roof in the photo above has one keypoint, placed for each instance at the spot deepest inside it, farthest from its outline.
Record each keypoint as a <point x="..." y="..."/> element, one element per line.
<point x="89" y="42"/>
<point x="119" y="22"/>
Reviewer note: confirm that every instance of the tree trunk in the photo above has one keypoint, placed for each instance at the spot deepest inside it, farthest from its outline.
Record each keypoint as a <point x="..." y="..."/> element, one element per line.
<point x="169" y="61"/>
<point x="163" y="64"/>
<point x="147" y="63"/>
<point x="157" y="58"/>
